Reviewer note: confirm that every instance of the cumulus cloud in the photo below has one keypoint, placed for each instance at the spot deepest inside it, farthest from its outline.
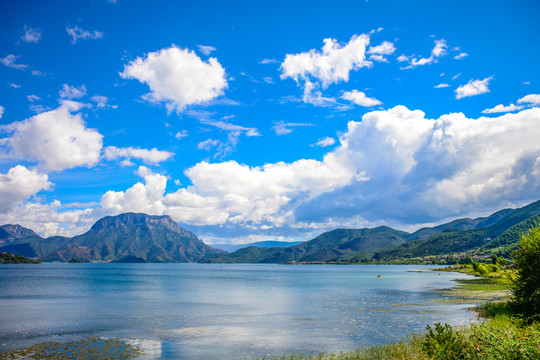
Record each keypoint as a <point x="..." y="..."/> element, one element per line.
<point x="205" y="49"/>
<point x="502" y="109"/>
<point x="101" y="101"/>
<point x="178" y="77"/>
<point x="393" y="167"/>
<point x="318" y="69"/>
<point x="327" y="141"/>
<point x="283" y="128"/>
<point x="152" y="156"/>
<point x="441" y="85"/>
<point x="473" y="88"/>
<point x="56" y="139"/>
<point x="532" y="99"/>
<point x="77" y="33"/>
<point x="461" y="56"/>
<point x="19" y="184"/>
<point x="360" y="98"/>
<point x="31" y="35"/>
<point x="11" y="61"/>
<point x="146" y="198"/>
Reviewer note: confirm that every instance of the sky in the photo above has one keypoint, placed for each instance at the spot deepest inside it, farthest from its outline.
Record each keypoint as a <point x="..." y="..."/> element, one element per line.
<point x="247" y="121"/>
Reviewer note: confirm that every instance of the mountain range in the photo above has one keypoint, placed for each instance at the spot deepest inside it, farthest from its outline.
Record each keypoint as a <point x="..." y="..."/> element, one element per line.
<point x="129" y="236"/>
<point x="132" y="237"/>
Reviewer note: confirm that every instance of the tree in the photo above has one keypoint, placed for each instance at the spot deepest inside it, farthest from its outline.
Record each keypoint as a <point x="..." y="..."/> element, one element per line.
<point x="526" y="286"/>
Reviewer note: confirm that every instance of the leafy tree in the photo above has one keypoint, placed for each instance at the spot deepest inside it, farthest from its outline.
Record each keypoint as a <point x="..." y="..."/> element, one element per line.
<point x="526" y="286"/>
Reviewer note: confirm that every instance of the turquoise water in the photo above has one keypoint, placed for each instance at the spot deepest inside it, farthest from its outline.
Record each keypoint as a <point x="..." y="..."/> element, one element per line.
<point x="210" y="311"/>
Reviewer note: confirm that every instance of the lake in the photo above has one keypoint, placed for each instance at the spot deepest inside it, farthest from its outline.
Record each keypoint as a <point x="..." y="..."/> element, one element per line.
<point x="212" y="311"/>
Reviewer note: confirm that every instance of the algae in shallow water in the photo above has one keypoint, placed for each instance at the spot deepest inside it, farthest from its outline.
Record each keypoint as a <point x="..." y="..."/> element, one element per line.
<point x="89" y="348"/>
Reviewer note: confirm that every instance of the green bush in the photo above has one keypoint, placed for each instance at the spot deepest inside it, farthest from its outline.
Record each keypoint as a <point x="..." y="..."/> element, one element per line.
<point x="444" y="343"/>
<point x="526" y="285"/>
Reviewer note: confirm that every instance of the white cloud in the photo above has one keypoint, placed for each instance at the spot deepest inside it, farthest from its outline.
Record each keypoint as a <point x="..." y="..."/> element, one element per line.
<point x="533" y="99"/>
<point x="33" y="98"/>
<point x="403" y="58"/>
<point x="31" y="35"/>
<point x="473" y="88"/>
<point x="205" y="49"/>
<point x="207" y="144"/>
<point x="101" y="101"/>
<point x="283" y="128"/>
<point x="327" y="141"/>
<point x="38" y="108"/>
<point x="438" y="51"/>
<point x="19" y="184"/>
<point x="441" y="85"/>
<point x="456" y="76"/>
<point x="56" y="139"/>
<point x="226" y="126"/>
<point x="319" y="69"/>
<point x="11" y="61"/>
<point x="378" y="52"/>
<point x="52" y="219"/>
<point x="502" y="109"/>
<point x="152" y="156"/>
<point x="72" y="92"/>
<point x="268" y="61"/>
<point x="378" y="58"/>
<point x="77" y="33"/>
<point x="392" y="167"/>
<point x="2" y="109"/>
<point x="360" y="98"/>
<point x="139" y="198"/>
<point x="461" y="56"/>
<point x="15" y="86"/>
<point x="181" y="134"/>
<point x="385" y="48"/>
<point x="178" y="77"/>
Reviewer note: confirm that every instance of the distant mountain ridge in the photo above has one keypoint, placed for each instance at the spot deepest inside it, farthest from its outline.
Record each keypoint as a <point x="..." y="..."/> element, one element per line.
<point x="269" y="243"/>
<point x="339" y="244"/>
<point x="130" y="235"/>
<point x="135" y="237"/>
<point x="9" y="233"/>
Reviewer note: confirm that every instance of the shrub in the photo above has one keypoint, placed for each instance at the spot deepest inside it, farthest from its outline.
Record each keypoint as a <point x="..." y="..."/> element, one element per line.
<point x="444" y="343"/>
<point x="526" y="285"/>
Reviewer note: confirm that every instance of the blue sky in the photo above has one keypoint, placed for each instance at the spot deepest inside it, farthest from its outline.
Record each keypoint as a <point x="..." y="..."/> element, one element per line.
<point x="250" y="121"/>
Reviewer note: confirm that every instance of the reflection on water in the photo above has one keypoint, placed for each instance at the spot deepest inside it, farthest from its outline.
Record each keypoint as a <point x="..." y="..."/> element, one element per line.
<point x="222" y="311"/>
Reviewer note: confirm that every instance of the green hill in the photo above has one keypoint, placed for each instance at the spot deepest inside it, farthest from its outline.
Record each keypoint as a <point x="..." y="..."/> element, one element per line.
<point x="335" y="245"/>
<point x="451" y="242"/>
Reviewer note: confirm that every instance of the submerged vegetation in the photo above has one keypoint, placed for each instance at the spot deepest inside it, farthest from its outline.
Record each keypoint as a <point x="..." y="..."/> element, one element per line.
<point x="89" y="348"/>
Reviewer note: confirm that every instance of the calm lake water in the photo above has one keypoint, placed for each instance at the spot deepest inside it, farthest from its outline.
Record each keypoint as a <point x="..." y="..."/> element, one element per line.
<point x="209" y="311"/>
